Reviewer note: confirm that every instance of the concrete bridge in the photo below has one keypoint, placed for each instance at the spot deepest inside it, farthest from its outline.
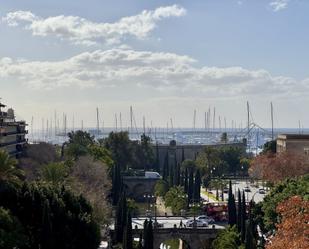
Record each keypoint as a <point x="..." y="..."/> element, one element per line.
<point x="193" y="238"/>
<point x="138" y="186"/>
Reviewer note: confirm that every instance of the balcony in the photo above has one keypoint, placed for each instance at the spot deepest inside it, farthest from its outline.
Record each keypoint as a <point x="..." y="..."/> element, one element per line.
<point x="23" y="141"/>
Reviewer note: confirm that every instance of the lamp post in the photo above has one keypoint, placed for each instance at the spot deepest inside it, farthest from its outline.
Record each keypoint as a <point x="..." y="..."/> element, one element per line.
<point x="148" y="197"/>
<point x="194" y="205"/>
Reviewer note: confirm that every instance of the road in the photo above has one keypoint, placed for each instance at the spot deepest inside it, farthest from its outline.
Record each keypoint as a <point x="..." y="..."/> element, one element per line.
<point x="167" y="222"/>
<point x="240" y="184"/>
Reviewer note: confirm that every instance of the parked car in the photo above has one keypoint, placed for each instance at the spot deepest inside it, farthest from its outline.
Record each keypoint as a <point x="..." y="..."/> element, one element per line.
<point x="199" y="223"/>
<point x="206" y="218"/>
<point x="262" y="191"/>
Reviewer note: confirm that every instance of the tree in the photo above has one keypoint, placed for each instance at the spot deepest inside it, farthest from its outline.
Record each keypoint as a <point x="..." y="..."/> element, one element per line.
<point x="231" y="207"/>
<point x="197" y="186"/>
<point x="250" y="242"/>
<point x="227" y="239"/>
<point x="78" y="143"/>
<point x="176" y="199"/>
<point x="277" y="167"/>
<point x="12" y="233"/>
<point x="292" y="231"/>
<point x="161" y="188"/>
<point x="239" y="213"/>
<point x="243" y="217"/>
<point x="148" y="240"/>
<point x="186" y="181"/>
<point x="90" y="178"/>
<point x="224" y="138"/>
<point x="280" y="192"/>
<point x="190" y="186"/>
<point x="120" y="146"/>
<point x="54" y="211"/>
<point x="127" y="237"/>
<point x="270" y="146"/>
<point x="54" y="173"/>
<point x="121" y="218"/>
<point x="166" y="167"/>
<point x="8" y="170"/>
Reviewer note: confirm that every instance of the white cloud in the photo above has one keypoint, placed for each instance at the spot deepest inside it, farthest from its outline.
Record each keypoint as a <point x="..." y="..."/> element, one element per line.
<point x="82" y="31"/>
<point x="153" y="74"/>
<point x="278" y="5"/>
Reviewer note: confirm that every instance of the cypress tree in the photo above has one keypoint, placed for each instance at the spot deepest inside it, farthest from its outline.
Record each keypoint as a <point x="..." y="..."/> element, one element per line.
<point x="145" y="233"/>
<point x="157" y="158"/>
<point x="243" y="217"/>
<point x="140" y="242"/>
<point x="149" y="238"/>
<point x="190" y="187"/>
<point x="249" y="240"/>
<point x="165" y="167"/>
<point x="197" y="186"/>
<point x="127" y="236"/>
<point x="239" y="212"/>
<point x="182" y="154"/>
<point x="121" y="218"/>
<point x="186" y="182"/>
<point x="231" y="206"/>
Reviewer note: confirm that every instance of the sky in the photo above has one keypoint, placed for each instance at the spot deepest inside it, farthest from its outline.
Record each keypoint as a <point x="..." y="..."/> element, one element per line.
<point x="163" y="58"/>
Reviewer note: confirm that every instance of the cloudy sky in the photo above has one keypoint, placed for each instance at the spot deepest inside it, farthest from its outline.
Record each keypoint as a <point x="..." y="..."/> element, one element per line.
<point x="165" y="58"/>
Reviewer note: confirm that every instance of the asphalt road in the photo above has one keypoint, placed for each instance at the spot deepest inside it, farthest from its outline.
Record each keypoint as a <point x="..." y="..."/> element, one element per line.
<point x="167" y="222"/>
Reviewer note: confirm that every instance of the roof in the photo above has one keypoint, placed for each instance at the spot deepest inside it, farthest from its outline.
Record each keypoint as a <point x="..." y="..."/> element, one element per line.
<point x="293" y="136"/>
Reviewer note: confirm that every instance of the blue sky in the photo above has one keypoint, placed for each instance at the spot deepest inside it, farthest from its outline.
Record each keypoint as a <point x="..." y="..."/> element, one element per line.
<point x="157" y="56"/>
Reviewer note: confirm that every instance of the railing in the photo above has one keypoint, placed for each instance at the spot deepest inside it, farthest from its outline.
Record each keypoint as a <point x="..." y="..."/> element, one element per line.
<point x="13" y="142"/>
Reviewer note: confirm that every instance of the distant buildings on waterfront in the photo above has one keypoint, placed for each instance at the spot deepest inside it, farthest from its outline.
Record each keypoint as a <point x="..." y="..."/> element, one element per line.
<point x="12" y="132"/>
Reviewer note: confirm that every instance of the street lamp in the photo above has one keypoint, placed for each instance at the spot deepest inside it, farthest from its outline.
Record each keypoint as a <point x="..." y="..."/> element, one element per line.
<point x="148" y="197"/>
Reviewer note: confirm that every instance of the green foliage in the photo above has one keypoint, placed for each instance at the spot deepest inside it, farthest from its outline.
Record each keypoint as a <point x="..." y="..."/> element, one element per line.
<point x="280" y="192"/>
<point x="231" y="207"/>
<point x="120" y="146"/>
<point x="12" y="233"/>
<point x="176" y="199"/>
<point x="219" y="161"/>
<point x="227" y="239"/>
<point x="188" y="164"/>
<point x="161" y="188"/>
<point x="101" y="154"/>
<point x="54" y="173"/>
<point x="270" y="146"/>
<point x="52" y="216"/>
<point x="78" y="143"/>
<point x="143" y="156"/>
<point x="224" y="137"/>
<point x="8" y="170"/>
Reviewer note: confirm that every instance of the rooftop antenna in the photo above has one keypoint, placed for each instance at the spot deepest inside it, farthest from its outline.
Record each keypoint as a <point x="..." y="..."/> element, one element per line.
<point x="272" y="120"/>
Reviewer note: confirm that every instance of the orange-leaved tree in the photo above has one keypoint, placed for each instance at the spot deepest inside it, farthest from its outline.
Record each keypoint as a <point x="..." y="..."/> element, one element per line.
<point x="277" y="167"/>
<point x="293" y="230"/>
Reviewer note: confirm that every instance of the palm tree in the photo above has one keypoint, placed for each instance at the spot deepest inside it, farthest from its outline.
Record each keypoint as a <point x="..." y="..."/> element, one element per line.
<point x="54" y="173"/>
<point x="8" y="170"/>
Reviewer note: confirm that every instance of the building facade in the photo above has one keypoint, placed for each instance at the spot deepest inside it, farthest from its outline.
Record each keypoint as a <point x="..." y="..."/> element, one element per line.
<point x="12" y="132"/>
<point x="293" y="143"/>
